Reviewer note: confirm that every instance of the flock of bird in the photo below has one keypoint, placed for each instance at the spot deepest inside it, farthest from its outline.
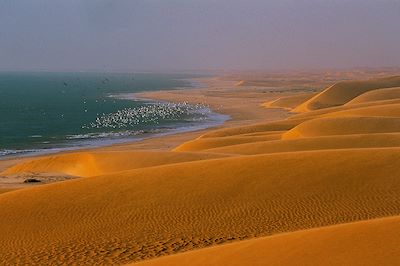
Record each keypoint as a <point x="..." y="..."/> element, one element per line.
<point x="150" y="114"/>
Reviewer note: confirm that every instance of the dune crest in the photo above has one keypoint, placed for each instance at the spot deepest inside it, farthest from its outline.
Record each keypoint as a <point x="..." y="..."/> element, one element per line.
<point x="344" y="126"/>
<point x="373" y="242"/>
<point x="289" y="102"/>
<point x="343" y="92"/>
<point x="377" y="95"/>
<point x="85" y="164"/>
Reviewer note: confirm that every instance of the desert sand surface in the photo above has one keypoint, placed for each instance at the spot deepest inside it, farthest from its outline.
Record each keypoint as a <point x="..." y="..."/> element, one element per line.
<point x="306" y="172"/>
<point x="373" y="242"/>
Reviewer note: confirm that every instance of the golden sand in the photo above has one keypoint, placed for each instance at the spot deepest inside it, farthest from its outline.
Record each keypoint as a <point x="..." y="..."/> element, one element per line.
<point x="373" y="242"/>
<point x="317" y="188"/>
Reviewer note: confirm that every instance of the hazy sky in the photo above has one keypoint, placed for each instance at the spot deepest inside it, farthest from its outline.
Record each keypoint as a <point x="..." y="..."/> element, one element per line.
<point x="198" y="34"/>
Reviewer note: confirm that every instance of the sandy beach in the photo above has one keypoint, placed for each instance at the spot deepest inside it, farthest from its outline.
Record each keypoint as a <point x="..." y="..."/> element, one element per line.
<point x="306" y="169"/>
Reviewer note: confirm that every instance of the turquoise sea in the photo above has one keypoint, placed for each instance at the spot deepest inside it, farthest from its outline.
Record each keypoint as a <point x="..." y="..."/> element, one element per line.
<point x="45" y="112"/>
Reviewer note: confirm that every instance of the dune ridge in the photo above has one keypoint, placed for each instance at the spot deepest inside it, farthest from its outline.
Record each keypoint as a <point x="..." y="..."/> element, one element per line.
<point x="85" y="164"/>
<point x="288" y="102"/>
<point x="373" y="242"/>
<point x="325" y="177"/>
<point x="343" y="92"/>
<point x="377" y="95"/>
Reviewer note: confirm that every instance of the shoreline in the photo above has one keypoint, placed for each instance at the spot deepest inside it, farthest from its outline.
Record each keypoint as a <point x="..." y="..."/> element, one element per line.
<point x="216" y="118"/>
<point x="237" y="112"/>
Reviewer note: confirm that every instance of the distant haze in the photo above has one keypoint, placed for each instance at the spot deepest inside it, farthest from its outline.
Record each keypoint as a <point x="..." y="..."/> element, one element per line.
<point x="167" y="35"/>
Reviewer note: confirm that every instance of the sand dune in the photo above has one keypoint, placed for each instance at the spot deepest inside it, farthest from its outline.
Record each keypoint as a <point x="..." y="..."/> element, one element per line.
<point x="344" y="92"/>
<point x="289" y="102"/>
<point x="276" y="126"/>
<point x="387" y="109"/>
<point x="362" y="120"/>
<point x="377" y="95"/>
<point x="380" y="108"/>
<point x="208" y="143"/>
<point x="342" y="109"/>
<point x="303" y="186"/>
<point x="344" y="126"/>
<point x="86" y="164"/>
<point x="160" y="210"/>
<point x="315" y="143"/>
<point x="334" y="123"/>
<point x="373" y="242"/>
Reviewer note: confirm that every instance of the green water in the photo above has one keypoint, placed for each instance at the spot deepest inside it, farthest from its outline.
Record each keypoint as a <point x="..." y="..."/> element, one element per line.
<point x="44" y="111"/>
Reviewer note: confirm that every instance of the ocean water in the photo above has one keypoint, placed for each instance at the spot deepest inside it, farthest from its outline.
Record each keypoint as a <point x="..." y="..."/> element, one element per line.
<point x="46" y="112"/>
